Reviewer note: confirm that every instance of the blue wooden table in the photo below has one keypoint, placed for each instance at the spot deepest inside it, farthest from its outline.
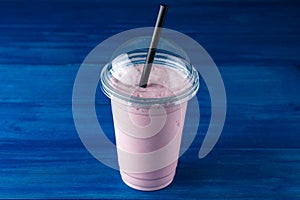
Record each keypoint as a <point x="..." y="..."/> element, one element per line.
<point x="256" y="46"/>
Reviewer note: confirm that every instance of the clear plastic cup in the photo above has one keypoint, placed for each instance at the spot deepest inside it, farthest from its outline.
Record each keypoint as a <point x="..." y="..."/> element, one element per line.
<point x="149" y="121"/>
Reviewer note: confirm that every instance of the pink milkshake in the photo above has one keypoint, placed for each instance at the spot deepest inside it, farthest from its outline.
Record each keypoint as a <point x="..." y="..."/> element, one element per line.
<point x="149" y="121"/>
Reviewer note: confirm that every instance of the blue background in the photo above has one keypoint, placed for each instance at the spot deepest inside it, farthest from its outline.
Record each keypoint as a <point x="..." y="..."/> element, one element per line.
<point x="255" y="44"/>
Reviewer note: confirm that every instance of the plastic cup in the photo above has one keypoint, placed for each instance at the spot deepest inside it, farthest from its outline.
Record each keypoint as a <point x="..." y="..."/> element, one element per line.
<point x="149" y="121"/>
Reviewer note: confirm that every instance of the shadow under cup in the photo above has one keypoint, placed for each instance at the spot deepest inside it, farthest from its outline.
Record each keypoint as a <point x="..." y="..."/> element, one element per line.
<point x="149" y="121"/>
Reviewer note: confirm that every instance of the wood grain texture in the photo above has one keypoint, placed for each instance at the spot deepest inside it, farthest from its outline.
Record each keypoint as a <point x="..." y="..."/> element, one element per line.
<point x="256" y="45"/>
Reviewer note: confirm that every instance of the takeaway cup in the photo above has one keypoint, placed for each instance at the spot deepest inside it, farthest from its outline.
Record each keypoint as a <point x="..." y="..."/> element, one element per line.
<point x="148" y="122"/>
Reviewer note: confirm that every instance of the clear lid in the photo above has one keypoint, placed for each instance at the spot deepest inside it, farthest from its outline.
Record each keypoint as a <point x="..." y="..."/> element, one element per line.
<point x="173" y="79"/>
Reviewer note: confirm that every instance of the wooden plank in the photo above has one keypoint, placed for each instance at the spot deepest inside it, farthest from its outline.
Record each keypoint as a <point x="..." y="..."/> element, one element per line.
<point x="256" y="45"/>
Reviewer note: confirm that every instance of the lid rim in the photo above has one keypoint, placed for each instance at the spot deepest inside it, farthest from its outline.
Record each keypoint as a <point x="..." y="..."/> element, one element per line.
<point x="124" y="98"/>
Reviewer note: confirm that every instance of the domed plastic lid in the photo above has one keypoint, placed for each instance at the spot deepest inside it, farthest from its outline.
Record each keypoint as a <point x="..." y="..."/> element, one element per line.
<point x="173" y="79"/>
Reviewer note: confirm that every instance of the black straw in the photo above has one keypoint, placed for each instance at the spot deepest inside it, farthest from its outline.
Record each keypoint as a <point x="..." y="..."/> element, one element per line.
<point x="153" y="45"/>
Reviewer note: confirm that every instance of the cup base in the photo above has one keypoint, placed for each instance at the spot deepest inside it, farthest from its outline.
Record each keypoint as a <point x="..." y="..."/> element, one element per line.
<point x="147" y="184"/>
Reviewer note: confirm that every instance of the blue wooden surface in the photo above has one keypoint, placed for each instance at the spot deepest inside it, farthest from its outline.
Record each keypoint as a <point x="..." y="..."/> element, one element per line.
<point x="256" y="45"/>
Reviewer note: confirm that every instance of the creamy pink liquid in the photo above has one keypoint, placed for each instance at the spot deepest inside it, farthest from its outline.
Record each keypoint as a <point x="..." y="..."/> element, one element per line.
<point x="142" y="130"/>
<point x="163" y="81"/>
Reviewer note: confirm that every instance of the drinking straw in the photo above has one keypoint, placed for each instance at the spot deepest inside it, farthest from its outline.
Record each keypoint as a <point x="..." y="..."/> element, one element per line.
<point x="153" y="45"/>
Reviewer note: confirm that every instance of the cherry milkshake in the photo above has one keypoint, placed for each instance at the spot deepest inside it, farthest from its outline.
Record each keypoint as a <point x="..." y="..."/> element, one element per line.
<point x="149" y="121"/>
